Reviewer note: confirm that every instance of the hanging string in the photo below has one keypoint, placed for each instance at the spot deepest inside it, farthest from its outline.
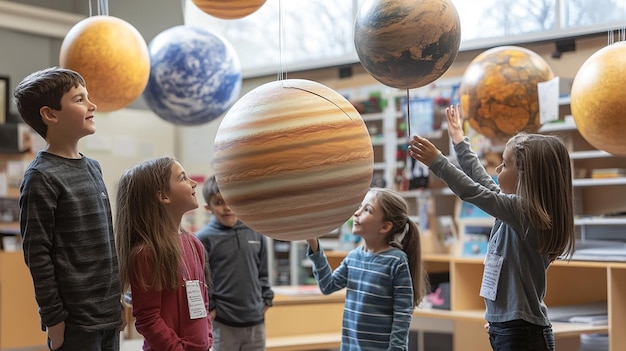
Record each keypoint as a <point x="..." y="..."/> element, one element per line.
<point x="408" y="115"/>
<point x="623" y="29"/>
<point x="282" y="72"/>
<point x="102" y="7"/>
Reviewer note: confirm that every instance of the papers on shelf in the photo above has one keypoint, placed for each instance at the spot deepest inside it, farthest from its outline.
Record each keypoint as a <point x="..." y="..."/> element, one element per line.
<point x="593" y="320"/>
<point x="594" y="342"/>
<point x="600" y="254"/>
<point x="592" y="314"/>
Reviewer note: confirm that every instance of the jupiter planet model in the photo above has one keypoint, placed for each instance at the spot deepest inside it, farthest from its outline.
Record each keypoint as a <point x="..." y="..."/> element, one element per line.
<point x="293" y="159"/>
<point x="232" y="9"/>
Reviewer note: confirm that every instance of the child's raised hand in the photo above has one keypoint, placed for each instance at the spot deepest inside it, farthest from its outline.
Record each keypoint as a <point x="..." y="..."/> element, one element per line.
<point x="313" y="244"/>
<point x="423" y="150"/>
<point x="455" y="124"/>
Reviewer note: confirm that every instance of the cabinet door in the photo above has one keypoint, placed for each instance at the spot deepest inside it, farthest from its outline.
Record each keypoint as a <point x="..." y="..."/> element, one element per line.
<point x="20" y="326"/>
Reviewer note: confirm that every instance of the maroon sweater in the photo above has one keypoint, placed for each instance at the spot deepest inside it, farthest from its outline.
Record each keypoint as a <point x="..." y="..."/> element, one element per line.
<point x="162" y="317"/>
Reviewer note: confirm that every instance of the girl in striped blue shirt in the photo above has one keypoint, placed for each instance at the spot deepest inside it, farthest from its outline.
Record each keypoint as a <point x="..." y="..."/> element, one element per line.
<point x="384" y="278"/>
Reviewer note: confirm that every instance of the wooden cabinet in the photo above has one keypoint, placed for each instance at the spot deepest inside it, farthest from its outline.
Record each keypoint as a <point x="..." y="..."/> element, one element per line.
<point x="304" y="319"/>
<point x="569" y="284"/>
<point x="20" y="325"/>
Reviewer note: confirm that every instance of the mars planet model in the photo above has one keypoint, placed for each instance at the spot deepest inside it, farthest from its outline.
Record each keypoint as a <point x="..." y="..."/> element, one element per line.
<point x="499" y="91"/>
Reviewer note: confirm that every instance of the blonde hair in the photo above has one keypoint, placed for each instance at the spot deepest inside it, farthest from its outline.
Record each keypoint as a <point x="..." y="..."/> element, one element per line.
<point x="144" y="232"/>
<point x="395" y="210"/>
<point x="544" y="184"/>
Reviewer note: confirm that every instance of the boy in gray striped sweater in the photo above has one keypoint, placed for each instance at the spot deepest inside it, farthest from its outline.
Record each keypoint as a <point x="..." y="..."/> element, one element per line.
<point x="65" y="218"/>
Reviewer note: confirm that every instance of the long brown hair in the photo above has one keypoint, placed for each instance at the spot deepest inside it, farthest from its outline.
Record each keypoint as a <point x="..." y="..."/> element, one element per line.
<point x="396" y="211"/>
<point x="143" y="230"/>
<point x="544" y="184"/>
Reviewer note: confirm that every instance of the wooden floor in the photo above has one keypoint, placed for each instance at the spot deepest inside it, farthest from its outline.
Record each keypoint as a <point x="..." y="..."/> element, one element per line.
<point x="131" y="345"/>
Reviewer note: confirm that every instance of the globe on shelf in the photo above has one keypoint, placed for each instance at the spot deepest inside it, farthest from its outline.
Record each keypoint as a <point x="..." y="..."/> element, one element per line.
<point x="231" y="9"/>
<point x="407" y="44"/>
<point x="195" y="75"/>
<point x="597" y="99"/>
<point x="293" y="158"/>
<point x="113" y="58"/>
<point x="498" y="91"/>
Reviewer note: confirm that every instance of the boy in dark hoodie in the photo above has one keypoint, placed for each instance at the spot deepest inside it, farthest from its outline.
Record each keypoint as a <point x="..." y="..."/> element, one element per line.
<point x="241" y="290"/>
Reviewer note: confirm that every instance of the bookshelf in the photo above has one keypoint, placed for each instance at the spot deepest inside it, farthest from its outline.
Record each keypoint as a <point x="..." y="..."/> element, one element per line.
<point x="604" y="282"/>
<point x="598" y="201"/>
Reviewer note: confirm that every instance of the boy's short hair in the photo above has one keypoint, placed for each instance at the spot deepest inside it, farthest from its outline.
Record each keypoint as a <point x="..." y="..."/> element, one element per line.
<point x="209" y="189"/>
<point x="44" y="88"/>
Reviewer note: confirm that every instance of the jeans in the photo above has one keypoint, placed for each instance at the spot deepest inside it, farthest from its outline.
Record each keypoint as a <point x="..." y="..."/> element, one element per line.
<point x="519" y="335"/>
<point x="77" y="339"/>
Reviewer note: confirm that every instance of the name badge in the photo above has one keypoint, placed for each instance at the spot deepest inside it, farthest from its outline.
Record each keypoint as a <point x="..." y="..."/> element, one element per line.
<point x="491" y="275"/>
<point x="197" y="309"/>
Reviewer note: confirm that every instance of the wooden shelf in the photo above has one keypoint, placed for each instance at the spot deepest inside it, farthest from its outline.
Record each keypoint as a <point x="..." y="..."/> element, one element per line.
<point x="598" y="182"/>
<point x="598" y="220"/>
<point x="369" y="117"/>
<point x="603" y="281"/>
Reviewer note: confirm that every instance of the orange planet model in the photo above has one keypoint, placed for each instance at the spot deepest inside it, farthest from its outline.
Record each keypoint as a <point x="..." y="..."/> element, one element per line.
<point x="113" y="58"/>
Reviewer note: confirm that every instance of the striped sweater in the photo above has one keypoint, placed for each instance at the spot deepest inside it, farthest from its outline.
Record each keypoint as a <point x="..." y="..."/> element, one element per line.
<point x="379" y="297"/>
<point x="67" y="232"/>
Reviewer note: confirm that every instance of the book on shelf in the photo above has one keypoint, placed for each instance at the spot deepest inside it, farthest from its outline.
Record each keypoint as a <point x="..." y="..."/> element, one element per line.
<point x="591" y="320"/>
<point x="608" y="173"/>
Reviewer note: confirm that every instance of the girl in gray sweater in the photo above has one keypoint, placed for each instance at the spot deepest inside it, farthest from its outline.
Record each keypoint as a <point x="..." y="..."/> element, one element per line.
<point x="532" y="204"/>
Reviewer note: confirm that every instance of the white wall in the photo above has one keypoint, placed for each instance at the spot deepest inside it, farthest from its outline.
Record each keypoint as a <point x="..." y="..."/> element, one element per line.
<point x="124" y="138"/>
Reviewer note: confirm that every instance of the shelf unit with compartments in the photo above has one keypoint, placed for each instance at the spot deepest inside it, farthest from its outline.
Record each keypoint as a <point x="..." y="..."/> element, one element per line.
<point x="599" y="204"/>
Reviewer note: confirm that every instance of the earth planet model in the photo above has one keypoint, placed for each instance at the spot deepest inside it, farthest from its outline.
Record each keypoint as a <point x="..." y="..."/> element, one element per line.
<point x="113" y="58"/>
<point x="195" y="75"/>
<point x="293" y="159"/>
<point x="597" y="99"/>
<point x="498" y="91"/>
<point x="407" y="44"/>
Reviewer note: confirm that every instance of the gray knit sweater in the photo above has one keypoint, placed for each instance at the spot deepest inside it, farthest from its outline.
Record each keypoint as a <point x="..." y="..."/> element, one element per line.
<point x="521" y="287"/>
<point x="67" y="232"/>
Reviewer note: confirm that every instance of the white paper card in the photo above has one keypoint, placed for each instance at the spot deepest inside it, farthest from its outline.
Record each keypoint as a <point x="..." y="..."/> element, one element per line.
<point x="197" y="309"/>
<point x="491" y="276"/>
<point x="548" y="92"/>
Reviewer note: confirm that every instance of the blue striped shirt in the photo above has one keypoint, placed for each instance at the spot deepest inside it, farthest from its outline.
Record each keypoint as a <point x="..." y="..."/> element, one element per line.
<point x="379" y="297"/>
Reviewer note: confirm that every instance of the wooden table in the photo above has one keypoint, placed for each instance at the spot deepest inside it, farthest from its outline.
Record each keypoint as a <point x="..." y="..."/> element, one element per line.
<point x="304" y="319"/>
